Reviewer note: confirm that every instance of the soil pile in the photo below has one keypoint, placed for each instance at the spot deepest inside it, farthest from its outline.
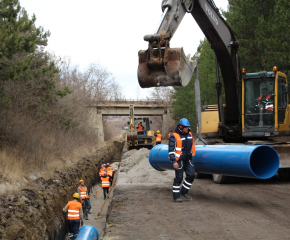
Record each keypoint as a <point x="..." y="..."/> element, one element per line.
<point x="36" y="212"/>
<point x="136" y="169"/>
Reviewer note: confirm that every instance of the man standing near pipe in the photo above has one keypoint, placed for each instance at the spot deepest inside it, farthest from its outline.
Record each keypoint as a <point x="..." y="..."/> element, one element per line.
<point x="181" y="150"/>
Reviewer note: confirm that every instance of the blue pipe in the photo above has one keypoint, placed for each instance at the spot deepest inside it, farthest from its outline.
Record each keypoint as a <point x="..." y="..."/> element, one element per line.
<point x="88" y="233"/>
<point x="251" y="161"/>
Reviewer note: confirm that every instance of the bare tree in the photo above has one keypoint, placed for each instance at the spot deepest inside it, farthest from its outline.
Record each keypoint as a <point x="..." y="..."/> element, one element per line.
<point x="162" y="93"/>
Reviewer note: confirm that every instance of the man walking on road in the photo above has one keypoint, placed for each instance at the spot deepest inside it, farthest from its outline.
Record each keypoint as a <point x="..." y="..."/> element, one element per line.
<point x="74" y="216"/>
<point x="181" y="150"/>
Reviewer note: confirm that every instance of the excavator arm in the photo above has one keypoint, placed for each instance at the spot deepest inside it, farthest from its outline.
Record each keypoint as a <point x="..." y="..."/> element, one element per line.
<point x="161" y="65"/>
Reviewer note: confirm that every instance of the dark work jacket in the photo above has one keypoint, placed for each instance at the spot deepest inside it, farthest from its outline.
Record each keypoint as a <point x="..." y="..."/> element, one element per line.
<point x="186" y="153"/>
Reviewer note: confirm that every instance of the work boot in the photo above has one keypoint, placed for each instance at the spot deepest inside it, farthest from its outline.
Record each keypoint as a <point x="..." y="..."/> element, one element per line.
<point x="177" y="200"/>
<point x="186" y="197"/>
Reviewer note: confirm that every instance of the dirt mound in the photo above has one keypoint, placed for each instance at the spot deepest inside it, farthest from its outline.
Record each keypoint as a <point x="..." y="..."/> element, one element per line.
<point x="36" y="211"/>
<point x="135" y="168"/>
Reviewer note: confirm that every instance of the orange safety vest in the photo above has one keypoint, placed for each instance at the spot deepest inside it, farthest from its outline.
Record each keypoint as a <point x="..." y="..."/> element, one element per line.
<point x="158" y="137"/>
<point x="178" y="147"/>
<point x="267" y="108"/>
<point x="73" y="212"/>
<point x="83" y="192"/>
<point x="102" y="170"/>
<point x="109" y="172"/>
<point x="105" y="182"/>
<point x="169" y="135"/>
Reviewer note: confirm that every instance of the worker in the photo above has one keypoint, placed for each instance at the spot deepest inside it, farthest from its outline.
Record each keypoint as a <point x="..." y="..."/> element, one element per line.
<point x="74" y="216"/>
<point x="114" y="171"/>
<point x="109" y="173"/>
<point x="140" y="127"/>
<point x="85" y="198"/>
<point x="102" y="170"/>
<point x="266" y="99"/>
<point x="181" y="150"/>
<point x="105" y="184"/>
<point x="158" y="136"/>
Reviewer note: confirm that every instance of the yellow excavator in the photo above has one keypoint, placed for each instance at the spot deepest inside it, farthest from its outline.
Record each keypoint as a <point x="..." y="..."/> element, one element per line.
<point x="139" y="134"/>
<point x="257" y="105"/>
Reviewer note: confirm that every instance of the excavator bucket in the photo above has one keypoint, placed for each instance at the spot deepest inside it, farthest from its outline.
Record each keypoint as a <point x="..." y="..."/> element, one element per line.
<point x="164" y="67"/>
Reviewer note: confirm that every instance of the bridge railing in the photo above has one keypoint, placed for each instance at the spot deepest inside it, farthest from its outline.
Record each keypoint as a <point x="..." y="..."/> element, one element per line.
<point x="136" y="101"/>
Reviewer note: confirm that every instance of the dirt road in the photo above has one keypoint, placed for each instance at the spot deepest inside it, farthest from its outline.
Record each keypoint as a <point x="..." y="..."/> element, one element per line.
<point x="142" y="207"/>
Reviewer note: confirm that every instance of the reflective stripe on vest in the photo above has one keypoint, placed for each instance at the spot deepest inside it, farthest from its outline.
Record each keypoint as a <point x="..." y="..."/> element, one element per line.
<point x="105" y="182"/>
<point x="109" y="171"/>
<point x="73" y="210"/>
<point x="158" y="137"/>
<point x="83" y="192"/>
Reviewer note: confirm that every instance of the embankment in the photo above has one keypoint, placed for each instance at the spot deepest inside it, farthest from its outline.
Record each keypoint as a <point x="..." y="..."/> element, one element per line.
<point x="35" y="212"/>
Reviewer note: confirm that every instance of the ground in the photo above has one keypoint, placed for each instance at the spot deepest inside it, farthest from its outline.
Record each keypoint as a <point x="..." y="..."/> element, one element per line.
<point x="142" y="206"/>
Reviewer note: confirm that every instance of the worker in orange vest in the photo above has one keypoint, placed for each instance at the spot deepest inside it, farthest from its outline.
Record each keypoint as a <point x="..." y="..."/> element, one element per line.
<point x="140" y="126"/>
<point x="105" y="184"/>
<point x="158" y="136"/>
<point x="110" y="173"/>
<point x="102" y="170"/>
<point x="85" y="198"/>
<point x="114" y="171"/>
<point x="74" y="216"/>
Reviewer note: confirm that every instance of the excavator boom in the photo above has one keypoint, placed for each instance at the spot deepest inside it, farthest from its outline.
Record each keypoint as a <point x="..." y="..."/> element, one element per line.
<point x="161" y="65"/>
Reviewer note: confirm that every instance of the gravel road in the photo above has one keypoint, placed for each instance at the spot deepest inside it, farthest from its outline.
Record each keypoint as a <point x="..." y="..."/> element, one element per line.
<point x="142" y="206"/>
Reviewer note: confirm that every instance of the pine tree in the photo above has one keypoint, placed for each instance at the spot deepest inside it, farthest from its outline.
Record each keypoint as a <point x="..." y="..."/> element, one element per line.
<point x="262" y="28"/>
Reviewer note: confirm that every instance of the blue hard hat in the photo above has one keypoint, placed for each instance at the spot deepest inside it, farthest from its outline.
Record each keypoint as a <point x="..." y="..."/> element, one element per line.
<point x="184" y="122"/>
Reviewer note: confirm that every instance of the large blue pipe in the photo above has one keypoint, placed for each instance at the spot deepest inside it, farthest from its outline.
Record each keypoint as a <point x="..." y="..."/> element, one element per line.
<point x="251" y="161"/>
<point x="88" y="233"/>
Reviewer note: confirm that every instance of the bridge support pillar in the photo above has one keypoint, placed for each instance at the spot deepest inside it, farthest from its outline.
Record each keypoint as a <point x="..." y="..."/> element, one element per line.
<point x="165" y="120"/>
<point x="97" y="120"/>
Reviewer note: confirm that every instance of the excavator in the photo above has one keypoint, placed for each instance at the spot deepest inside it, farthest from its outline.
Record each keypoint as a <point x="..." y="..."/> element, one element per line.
<point x="137" y="137"/>
<point x="257" y="105"/>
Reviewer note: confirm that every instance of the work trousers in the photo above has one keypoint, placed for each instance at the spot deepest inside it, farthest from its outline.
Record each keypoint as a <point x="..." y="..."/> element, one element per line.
<point x="106" y="191"/>
<point x="187" y="167"/>
<point x="157" y="143"/>
<point x="73" y="228"/>
<point x="86" y="204"/>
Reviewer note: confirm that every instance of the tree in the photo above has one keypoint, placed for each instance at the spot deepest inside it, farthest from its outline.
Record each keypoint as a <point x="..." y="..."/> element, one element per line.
<point x="162" y="93"/>
<point x="262" y="28"/>
<point x="24" y="65"/>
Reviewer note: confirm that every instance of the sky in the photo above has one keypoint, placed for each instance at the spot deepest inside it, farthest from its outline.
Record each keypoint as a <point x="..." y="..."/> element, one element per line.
<point x="110" y="33"/>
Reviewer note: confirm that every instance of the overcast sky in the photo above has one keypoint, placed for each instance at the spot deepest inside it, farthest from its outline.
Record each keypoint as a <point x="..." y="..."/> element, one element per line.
<point x="109" y="32"/>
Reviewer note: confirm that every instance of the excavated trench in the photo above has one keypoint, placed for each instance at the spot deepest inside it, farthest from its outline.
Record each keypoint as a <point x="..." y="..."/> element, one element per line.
<point x="35" y="212"/>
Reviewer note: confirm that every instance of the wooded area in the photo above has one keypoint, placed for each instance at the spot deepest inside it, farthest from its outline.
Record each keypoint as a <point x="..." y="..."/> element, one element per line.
<point x="44" y="100"/>
<point x="262" y="28"/>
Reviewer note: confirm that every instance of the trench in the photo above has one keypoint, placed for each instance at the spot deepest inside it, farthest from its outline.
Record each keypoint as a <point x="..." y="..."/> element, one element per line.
<point x="35" y="212"/>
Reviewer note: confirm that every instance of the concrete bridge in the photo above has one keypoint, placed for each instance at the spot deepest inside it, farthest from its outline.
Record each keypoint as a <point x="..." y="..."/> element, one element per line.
<point x="121" y="108"/>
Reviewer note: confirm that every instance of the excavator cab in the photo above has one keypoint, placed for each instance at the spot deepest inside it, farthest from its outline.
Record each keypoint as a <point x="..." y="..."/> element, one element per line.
<point x="265" y="103"/>
<point x="161" y="65"/>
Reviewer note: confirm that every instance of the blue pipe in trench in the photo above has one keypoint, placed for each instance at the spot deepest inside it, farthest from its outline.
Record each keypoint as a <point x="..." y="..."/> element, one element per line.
<point x="251" y="161"/>
<point x="88" y="233"/>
